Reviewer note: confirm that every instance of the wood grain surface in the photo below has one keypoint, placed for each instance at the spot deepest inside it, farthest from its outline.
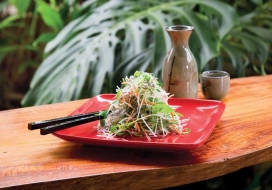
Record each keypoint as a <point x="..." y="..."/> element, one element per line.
<point x="242" y="137"/>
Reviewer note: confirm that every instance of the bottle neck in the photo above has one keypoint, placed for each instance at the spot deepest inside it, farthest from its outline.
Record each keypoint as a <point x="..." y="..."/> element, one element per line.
<point x="179" y="38"/>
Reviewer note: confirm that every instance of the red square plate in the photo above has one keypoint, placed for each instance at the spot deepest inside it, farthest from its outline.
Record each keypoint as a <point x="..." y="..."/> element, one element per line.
<point x="200" y="116"/>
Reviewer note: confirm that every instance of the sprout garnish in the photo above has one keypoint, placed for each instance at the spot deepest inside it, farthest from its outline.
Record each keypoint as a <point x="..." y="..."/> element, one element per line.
<point x="140" y="109"/>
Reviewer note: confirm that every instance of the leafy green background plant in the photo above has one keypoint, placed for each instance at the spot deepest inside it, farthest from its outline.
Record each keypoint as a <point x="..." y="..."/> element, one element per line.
<point x="23" y="36"/>
<point x="83" y="48"/>
<point x="114" y="38"/>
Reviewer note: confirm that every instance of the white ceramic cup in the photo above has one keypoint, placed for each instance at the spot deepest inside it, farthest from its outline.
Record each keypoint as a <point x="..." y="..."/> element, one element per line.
<point x="215" y="84"/>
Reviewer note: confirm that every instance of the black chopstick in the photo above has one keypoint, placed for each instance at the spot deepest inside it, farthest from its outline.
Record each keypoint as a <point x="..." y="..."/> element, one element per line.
<point x="53" y="125"/>
<point x="44" y="123"/>
<point x="68" y="124"/>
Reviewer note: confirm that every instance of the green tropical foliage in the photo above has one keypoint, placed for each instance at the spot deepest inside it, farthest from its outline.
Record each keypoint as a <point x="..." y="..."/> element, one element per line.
<point x="115" y="38"/>
<point x="23" y="36"/>
<point x="35" y="24"/>
<point x="248" y="43"/>
<point x="93" y="44"/>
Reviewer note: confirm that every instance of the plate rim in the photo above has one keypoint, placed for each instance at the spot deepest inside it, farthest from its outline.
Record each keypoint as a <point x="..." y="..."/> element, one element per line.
<point x="151" y="145"/>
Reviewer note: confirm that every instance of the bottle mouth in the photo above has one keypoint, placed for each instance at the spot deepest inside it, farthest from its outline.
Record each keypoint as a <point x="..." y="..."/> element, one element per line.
<point x="180" y="28"/>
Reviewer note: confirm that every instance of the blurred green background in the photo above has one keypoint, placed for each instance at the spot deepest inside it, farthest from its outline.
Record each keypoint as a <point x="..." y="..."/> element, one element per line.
<point x="61" y="50"/>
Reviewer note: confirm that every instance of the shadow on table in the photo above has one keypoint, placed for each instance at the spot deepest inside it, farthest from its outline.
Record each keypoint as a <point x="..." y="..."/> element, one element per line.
<point x="129" y="156"/>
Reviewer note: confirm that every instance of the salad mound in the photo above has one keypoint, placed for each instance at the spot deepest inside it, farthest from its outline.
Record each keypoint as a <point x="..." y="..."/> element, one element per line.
<point x="140" y="109"/>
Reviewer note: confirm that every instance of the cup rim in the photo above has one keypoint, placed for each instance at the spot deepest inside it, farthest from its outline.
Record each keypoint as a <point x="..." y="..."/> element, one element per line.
<point x="224" y="74"/>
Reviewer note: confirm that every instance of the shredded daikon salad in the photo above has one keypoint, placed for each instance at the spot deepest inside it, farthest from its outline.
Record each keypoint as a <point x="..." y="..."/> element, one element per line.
<point x="140" y="109"/>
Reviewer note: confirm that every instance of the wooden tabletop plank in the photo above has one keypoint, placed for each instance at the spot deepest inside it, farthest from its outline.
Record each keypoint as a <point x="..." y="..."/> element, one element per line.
<point x="243" y="137"/>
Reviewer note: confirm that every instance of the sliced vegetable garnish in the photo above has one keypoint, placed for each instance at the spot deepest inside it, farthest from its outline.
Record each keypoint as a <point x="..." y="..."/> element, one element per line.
<point x="140" y="109"/>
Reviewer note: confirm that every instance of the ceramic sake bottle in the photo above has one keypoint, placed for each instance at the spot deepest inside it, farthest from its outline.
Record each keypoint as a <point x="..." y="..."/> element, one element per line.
<point x="179" y="72"/>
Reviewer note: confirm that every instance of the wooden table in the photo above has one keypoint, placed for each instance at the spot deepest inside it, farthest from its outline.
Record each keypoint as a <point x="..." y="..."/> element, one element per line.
<point x="243" y="137"/>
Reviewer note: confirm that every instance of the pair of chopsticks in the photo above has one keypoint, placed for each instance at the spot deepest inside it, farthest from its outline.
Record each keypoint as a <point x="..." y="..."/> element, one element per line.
<point x="53" y="125"/>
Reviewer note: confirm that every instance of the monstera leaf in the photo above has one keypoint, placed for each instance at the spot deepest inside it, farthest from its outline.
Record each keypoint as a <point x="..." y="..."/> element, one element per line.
<point x="112" y="39"/>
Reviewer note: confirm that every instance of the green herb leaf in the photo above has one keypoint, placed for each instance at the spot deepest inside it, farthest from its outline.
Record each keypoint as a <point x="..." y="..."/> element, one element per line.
<point x="113" y="128"/>
<point x="118" y="94"/>
<point x="162" y="108"/>
<point x="104" y="113"/>
<point x="102" y="122"/>
<point x="137" y="73"/>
